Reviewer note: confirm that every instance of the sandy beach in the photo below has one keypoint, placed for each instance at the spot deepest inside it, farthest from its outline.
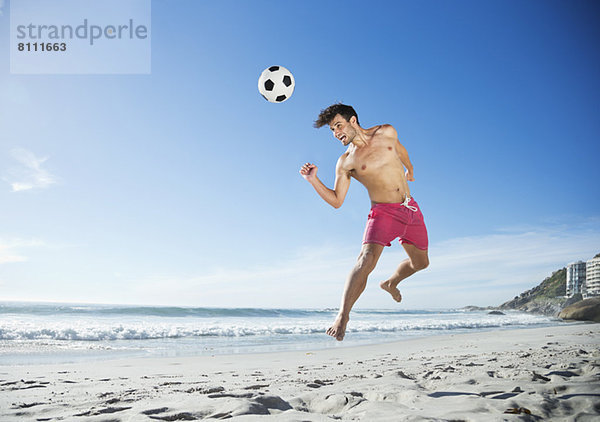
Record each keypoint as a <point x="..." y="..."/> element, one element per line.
<point x="550" y="373"/>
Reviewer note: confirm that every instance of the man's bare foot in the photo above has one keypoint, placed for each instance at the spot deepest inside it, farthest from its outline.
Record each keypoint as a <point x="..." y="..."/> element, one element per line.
<point x="338" y="329"/>
<point x="386" y="285"/>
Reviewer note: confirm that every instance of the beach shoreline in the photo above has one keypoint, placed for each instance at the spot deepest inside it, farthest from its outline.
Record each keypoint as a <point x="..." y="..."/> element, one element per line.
<point x="67" y="333"/>
<point x="547" y="373"/>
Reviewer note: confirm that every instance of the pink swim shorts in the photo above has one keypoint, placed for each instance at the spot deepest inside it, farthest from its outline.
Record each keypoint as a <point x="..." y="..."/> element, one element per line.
<point x="389" y="221"/>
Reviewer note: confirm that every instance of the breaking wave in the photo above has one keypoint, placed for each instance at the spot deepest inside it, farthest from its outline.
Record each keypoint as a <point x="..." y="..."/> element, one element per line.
<point x="106" y="323"/>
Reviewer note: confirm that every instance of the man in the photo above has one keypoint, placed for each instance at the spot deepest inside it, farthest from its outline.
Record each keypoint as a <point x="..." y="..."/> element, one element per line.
<point x="376" y="159"/>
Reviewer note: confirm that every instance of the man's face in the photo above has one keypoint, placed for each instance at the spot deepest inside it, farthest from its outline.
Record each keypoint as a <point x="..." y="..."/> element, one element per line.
<point x="342" y="129"/>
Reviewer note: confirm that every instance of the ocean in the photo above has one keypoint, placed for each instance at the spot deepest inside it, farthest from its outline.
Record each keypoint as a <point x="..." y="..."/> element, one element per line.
<point x="38" y="333"/>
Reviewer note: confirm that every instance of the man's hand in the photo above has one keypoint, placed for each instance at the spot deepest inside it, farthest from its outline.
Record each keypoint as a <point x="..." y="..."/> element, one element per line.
<point x="309" y="171"/>
<point x="409" y="176"/>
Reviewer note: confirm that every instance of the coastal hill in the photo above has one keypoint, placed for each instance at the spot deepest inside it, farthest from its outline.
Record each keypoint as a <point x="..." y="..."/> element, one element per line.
<point x="548" y="298"/>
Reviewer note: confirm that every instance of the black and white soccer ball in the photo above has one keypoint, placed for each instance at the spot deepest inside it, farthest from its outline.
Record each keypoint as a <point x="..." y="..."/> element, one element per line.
<point x="276" y="84"/>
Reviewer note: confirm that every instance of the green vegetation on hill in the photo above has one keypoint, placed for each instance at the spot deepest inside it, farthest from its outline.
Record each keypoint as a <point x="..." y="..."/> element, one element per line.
<point x="547" y="298"/>
<point x="553" y="286"/>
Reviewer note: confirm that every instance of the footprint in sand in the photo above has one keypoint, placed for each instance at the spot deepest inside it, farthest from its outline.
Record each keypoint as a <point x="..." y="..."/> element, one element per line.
<point x="155" y="411"/>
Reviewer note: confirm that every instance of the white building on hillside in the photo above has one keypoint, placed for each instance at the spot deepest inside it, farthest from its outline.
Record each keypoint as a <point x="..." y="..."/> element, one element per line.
<point x="576" y="272"/>
<point x="592" y="278"/>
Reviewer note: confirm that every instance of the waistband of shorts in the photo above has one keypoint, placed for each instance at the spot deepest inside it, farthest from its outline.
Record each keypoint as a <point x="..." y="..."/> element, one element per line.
<point x="393" y="204"/>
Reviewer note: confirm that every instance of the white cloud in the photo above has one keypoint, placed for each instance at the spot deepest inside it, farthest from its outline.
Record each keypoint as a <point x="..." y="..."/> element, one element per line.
<point x="476" y="270"/>
<point x="480" y="270"/>
<point x="12" y="250"/>
<point x="310" y="279"/>
<point x="29" y="174"/>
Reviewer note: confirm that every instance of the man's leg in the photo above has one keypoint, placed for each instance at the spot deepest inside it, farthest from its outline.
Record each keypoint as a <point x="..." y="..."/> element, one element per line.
<point x="417" y="261"/>
<point x="355" y="284"/>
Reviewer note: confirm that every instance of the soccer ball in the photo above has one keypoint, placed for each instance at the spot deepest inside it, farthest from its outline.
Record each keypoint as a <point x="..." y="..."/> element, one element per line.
<point x="276" y="84"/>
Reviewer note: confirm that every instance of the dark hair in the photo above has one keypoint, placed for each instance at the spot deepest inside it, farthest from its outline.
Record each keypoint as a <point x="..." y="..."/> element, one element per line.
<point x="328" y="114"/>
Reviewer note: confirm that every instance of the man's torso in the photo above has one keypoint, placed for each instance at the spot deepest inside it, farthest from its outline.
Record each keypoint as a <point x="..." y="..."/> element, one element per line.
<point x="378" y="166"/>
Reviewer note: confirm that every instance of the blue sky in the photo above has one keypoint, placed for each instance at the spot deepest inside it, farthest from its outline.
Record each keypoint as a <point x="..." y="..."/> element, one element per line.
<point x="181" y="187"/>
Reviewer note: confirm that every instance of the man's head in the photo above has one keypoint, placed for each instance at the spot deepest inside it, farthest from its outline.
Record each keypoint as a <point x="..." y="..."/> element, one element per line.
<point x="342" y="120"/>
<point x="327" y="115"/>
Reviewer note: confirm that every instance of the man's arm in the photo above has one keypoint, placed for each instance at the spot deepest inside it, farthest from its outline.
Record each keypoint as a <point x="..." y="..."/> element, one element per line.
<point x="334" y="197"/>
<point x="402" y="153"/>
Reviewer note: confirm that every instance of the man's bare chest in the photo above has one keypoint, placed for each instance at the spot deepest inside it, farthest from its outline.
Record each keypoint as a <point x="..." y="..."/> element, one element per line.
<point x="371" y="160"/>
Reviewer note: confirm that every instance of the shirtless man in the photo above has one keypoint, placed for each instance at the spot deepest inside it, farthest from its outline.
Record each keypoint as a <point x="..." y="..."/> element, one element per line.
<point x="376" y="159"/>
